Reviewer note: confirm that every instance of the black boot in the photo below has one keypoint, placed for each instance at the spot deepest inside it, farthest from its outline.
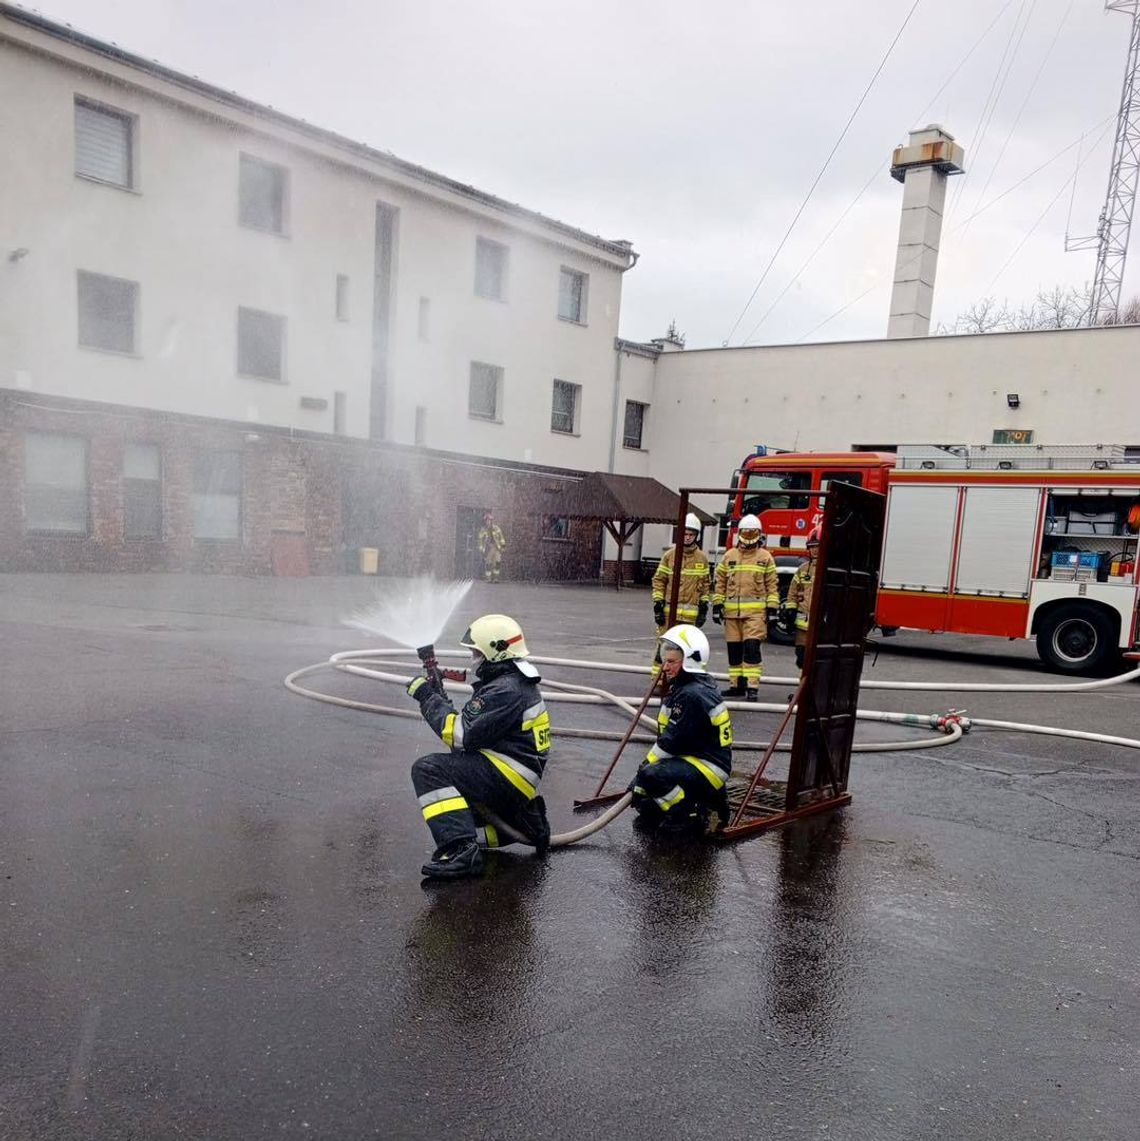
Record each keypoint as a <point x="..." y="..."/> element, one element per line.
<point x="455" y="860"/>
<point x="737" y="689"/>
<point x="536" y="826"/>
<point x="753" y="695"/>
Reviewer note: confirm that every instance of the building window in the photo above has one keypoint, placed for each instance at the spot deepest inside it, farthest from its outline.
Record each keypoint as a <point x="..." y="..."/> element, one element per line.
<point x="142" y="492"/>
<point x="634" y="424"/>
<point x="107" y="311"/>
<point x="491" y="269"/>
<point x="341" y="297"/>
<point x="104" y="144"/>
<point x="217" y="495"/>
<point x="572" y="289"/>
<point x="564" y="407"/>
<point x="423" y="324"/>
<point x="556" y="527"/>
<point x="261" y="344"/>
<point x="485" y="391"/>
<point x="55" y="484"/>
<point x="262" y="194"/>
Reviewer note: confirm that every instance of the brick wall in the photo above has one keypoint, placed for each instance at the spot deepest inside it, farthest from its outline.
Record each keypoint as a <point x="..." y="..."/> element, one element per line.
<point x="316" y="498"/>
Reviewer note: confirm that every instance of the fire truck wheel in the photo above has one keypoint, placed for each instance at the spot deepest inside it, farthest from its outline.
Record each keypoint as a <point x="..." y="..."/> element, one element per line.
<point x="1077" y="639"/>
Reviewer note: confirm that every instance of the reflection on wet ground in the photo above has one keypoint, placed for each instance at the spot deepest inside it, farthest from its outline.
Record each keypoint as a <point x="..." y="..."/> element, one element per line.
<point x="215" y="926"/>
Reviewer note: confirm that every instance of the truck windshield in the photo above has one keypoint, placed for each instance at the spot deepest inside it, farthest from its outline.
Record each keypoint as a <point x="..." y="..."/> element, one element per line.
<point x="769" y="491"/>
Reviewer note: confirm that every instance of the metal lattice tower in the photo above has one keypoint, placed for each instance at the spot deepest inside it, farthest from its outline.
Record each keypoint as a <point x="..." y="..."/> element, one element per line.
<point x="1120" y="200"/>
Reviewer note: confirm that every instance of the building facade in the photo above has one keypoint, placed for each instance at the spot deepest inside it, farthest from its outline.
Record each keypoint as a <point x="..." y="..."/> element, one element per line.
<point x="180" y="256"/>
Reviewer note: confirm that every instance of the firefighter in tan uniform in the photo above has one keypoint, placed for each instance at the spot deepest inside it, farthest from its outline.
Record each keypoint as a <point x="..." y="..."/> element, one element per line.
<point x="693" y="594"/>
<point x="799" y="595"/>
<point x="491" y="542"/>
<point x="747" y="594"/>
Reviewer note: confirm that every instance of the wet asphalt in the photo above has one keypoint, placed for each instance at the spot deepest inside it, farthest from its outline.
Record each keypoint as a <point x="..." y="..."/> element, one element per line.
<point x="213" y="924"/>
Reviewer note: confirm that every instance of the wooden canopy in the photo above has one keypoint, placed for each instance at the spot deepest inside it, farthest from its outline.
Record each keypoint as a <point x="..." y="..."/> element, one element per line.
<point x="622" y="503"/>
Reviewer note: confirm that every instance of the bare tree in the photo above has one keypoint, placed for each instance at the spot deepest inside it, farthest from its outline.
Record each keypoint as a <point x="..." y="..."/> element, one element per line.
<point x="1062" y="307"/>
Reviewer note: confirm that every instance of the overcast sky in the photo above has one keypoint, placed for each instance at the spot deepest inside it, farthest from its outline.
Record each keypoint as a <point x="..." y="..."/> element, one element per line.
<point x="695" y="131"/>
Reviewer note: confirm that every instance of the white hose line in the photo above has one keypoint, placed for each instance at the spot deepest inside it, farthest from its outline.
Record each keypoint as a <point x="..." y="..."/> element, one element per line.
<point x="1048" y="731"/>
<point x="927" y="686"/>
<point x="563" y="838"/>
<point x="917" y="720"/>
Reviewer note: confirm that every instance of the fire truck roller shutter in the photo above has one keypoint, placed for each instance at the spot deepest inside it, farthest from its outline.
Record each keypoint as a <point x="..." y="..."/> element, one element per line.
<point x="997" y="553"/>
<point x="919" y="537"/>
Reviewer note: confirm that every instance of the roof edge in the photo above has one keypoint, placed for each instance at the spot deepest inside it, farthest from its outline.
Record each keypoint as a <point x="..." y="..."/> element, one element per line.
<point x="617" y="248"/>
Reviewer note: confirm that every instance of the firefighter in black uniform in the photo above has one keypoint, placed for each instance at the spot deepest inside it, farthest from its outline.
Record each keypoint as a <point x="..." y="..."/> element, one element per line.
<point x="684" y="776"/>
<point x="498" y="741"/>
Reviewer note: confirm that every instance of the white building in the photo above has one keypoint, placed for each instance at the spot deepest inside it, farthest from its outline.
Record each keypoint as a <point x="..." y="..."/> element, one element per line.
<point x="168" y="245"/>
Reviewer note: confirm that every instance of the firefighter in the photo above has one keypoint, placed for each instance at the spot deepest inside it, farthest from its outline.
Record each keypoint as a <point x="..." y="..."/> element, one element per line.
<point x="685" y="774"/>
<point x="747" y="595"/>
<point x="693" y="594"/>
<point x="491" y="544"/>
<point x="498" y="741"/>
<point x="799" y="594"/>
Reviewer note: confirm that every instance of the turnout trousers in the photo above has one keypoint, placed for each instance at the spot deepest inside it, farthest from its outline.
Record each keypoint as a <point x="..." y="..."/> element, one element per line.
<point x="743" y="638"/>
<point x="453" y="787"/>
<point x="676" y="787"/>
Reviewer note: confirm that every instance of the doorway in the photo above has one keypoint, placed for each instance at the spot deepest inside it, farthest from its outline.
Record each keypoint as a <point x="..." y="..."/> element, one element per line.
<point x="468" y="558"/>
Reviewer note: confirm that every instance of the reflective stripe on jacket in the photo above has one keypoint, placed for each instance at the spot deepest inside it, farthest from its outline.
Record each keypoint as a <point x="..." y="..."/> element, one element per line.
<point x="693" y="724"/>
<point x="799" y="593"/>
<point x="747" y="582"/>
<point x="694" y="580"/>
<point x="505" y="719"/>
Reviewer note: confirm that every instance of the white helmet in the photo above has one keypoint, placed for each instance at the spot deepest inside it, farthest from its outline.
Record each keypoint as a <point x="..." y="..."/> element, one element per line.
<point x="749" y="523"/>
<point x="692" y="643"/>
<point x="692" y="523"/>
<point x="497" y="637"/>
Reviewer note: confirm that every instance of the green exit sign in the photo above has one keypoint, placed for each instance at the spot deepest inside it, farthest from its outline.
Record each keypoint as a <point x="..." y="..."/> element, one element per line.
<point x="1013" y="436"/>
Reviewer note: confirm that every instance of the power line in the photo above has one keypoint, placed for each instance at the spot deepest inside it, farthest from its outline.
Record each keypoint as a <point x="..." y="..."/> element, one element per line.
<point x="1025" y="101"/>
<point x="822" y="170"/>
<point x="990" y="103"/>
<point x="873" y="175"/>
<point x="981" y="210"/>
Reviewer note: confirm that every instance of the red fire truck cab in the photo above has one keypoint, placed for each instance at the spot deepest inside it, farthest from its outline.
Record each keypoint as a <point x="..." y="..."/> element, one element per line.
<point x="1012" y="540"/>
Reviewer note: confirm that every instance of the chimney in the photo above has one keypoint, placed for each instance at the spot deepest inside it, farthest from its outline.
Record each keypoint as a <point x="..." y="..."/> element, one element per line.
<point x="922" y="166"/>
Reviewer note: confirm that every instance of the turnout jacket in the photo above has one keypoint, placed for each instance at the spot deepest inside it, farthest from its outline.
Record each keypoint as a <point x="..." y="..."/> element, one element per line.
<point x="693" y="725"/>
<point x="505" y="719"/>
<point x="799" y="593"/>
<point x="694" y="582"/>
<point x="490" y="539"/>
<point x="747" y="582"/>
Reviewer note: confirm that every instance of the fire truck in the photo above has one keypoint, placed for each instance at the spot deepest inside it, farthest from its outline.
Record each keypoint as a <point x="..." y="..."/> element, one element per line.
<point x="1012" y="540"/>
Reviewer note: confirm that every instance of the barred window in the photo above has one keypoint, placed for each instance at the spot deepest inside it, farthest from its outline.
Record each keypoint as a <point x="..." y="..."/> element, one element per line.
<point x="564" y="407"/>
<point x="634" y="424"/>
<point x="142" y="491"/>
<point x="217" y="495"/>
<point x="572" y="287"/>
<point x="484" y="393"/>
<point x="55" y="484"/>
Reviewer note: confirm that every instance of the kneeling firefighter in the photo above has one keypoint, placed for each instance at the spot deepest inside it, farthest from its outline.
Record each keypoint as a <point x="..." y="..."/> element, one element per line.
<point x="685" y="775"/>
<point x="498" y="741"/>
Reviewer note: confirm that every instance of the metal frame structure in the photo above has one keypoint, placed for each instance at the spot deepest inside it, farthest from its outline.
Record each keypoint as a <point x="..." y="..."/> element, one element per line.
<point x="842" y="613"/>
<point x="1115" y="225"/>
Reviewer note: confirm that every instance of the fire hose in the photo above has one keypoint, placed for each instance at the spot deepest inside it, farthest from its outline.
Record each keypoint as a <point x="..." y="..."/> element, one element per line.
<point x="365" y="663"/>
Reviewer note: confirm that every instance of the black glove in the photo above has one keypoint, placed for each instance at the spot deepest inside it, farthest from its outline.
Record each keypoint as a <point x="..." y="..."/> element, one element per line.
<point x="718" y="613"/>
<point x="702" y="613"/>
<point x="659" y="613"/>
<point x="420" y="688"/>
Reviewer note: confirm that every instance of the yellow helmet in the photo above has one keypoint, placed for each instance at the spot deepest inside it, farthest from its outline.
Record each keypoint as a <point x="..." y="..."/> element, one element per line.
<point x="497" y="637"/>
